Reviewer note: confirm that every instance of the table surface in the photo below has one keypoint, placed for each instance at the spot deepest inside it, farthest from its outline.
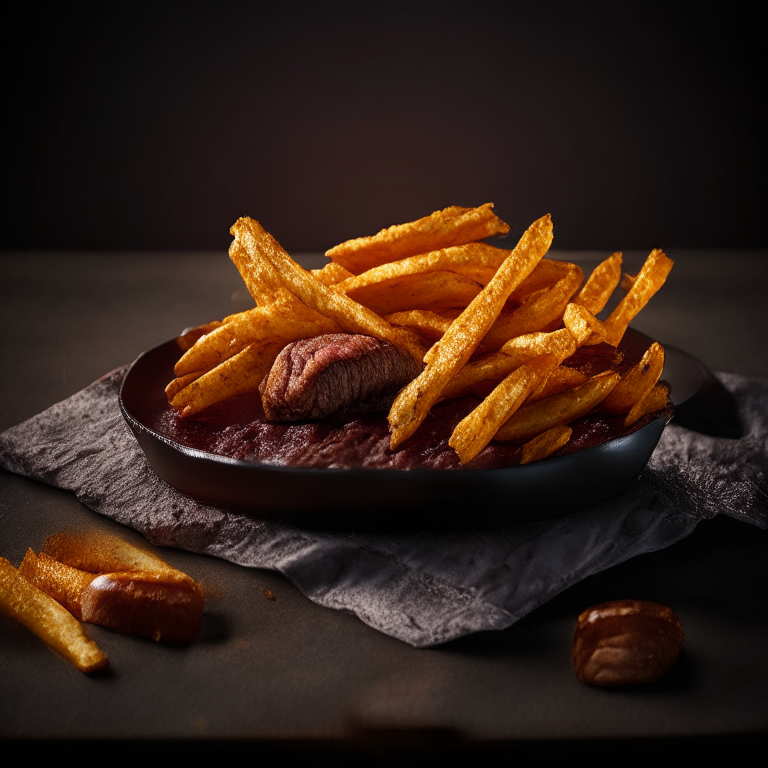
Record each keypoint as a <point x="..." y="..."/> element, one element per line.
<point x="287" y="671"/>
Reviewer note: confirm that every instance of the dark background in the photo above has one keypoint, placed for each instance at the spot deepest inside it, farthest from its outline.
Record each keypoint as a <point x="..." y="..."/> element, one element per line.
<point x="154" y="126"/>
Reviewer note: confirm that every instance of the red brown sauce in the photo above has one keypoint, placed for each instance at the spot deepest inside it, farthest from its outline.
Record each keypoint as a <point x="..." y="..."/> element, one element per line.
<point x="238" y="429"/>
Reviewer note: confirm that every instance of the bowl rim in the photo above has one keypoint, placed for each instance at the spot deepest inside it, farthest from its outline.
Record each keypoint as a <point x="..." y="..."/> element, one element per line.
<point x="678" y="358"/>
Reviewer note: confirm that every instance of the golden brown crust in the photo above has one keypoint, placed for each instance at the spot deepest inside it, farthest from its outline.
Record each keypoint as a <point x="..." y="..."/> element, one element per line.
<point x="63" y="583"/>
<point x="625" y="642"/>
<point x="136" y="592"/>
<point x="52" y="623"/>
<point x="442" y="229"/>
<point x="151" y="605"/>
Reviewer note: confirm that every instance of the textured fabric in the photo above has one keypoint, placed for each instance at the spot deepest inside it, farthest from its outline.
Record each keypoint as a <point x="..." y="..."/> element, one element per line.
<point x="430" y="587"/>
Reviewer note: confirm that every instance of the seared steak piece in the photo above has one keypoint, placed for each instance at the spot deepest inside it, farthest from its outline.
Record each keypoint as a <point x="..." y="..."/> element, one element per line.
<point x="336" y="374"/>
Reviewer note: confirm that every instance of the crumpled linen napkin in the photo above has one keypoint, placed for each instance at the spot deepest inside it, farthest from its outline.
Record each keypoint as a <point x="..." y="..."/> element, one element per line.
<point x="428" y="587"/>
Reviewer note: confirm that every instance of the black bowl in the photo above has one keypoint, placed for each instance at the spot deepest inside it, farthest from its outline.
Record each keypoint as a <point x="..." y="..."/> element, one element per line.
<point x="364" y="499"/>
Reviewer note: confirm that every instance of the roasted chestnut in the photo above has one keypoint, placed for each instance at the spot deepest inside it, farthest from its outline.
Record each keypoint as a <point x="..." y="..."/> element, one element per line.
<point x="625" y="642"/>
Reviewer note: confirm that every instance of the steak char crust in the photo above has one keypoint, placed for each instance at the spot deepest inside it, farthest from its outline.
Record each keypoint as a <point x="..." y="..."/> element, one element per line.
<point x="335" y="375"/>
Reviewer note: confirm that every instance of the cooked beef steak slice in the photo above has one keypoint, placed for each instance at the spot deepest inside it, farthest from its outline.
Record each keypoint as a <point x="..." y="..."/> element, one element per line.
<point x="336" y="374"/>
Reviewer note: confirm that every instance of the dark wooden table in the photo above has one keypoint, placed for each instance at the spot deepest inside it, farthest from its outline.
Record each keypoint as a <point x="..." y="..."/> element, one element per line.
<point x="294" y="676"/>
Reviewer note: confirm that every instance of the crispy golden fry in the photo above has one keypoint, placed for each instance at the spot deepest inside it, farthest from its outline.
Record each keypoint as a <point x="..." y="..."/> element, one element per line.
<point x="560" y="343"/>
<point x="582" y="324"/>
<point x="63" y="583"/>
<point x="449" y="227"/>
<point x="187" y="339"/>
<point x="558" y="355"/>
<point x="261" y="277"/>
<point x="656" y="400"/>
<point x="493" y="367"/>
<point x="284" y="319"/>
<point x="503" y="328"/>
<point x="432" y="290"/>
<point x="601" y="284"/>
<point x="512" y="355"/>
<point x="239" y="375"/>
<point x="223" y="342"/>
<point x="537" y="313"/>
<point x="476" y="261"/>
<point x="103" y="553"/>
<point x="332" y="274"/>
<point x="533" y="419"/>
<point x="52" y="623"/>
<point x="547" y="273"/>
<point x="636" y="383"/>
<point x="559" y="380"/>
<point x="180" y="383"/>
<point x="430" y="324"/>
<point x="627" y="281"/>
<point x="545" y="444"/>
<point x="477" y="429"/>
<point x="350" y="315"/>
<point x="449" y="355"/>
<point x="489" y="368"/>
<point x="650" y="278"/>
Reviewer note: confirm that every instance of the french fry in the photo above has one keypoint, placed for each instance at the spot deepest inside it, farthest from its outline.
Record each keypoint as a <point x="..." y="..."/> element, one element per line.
<point x="512" y="355"/>
<point x="650" y="278"/>
<point x="180" y="383"/>
<point x="63" y="583"/>
<point x="332" y="274"/>
<point x="560" y="348"/>
<point x="477" y="429"/>
<point x="537" y="313"/>
<point x="561" y="344"/>
<point x="476" y="261"/>
<point x="103" y="553"/>
<point x="533" y="419"/>
<point x="627" y="281"/>
<point x="545" y="274"/>
<point x="431" y="291"/>
<point x="489" y="368"/>
<point x="261" y="277"/>
<point x="636" y="383"/>
<point x="350" y="315"/>
<point x="600" y="284"/>
<point x="582" y="324"/>
<point x="449" y="227"/>
<point x="431" y="324"/>
<point x="655" y="400"/>
<point x="239" y="375"/>
<point x="545" y="444"/>
<point x="52" y="623"/>
<point x="188" y="338"/>
<point x="223" y="342"/>
<point x="560" y="380"/>
<point x="285" y="319"/>
<point x="450" y="354"/>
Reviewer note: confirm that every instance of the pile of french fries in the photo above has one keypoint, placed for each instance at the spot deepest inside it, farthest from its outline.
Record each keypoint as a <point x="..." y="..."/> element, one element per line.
<point x="98" y="579"/>
<point x="479" y="319"/>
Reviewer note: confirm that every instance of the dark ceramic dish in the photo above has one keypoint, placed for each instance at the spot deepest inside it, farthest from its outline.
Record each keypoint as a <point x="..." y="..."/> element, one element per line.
<point x="356" y="499"/>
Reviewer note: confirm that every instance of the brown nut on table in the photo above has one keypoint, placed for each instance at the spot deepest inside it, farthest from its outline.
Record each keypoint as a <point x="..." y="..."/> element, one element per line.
<point x="165" y="607"/>
<point x="625" y="642"/>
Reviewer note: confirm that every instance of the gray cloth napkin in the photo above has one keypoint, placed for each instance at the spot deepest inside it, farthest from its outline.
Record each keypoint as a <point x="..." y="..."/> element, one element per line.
<point x="429" y="587"/>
